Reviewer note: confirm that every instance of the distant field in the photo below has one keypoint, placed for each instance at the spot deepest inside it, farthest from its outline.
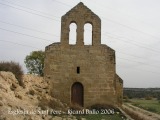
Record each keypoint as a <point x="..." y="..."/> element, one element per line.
<point x="150" y="105"/>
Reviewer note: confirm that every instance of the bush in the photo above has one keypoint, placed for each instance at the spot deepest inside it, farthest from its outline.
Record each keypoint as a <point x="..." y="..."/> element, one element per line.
<point x="75" y="107"/>
<point x="158" y="97"/>
<point x="148" y="98"/>
<point x="152" y="110"/>
<point x="125" y="97"/>
<point x="45" y="103"/>
<point x="103" y="106"/>
<point x="13" y="67"/>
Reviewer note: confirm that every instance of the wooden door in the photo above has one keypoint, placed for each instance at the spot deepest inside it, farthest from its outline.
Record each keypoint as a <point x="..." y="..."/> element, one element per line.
<point x="77" y="94"/>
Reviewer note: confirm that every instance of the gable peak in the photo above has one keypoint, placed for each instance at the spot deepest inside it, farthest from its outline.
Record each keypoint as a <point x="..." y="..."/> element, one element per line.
<point x="80" y="7"/>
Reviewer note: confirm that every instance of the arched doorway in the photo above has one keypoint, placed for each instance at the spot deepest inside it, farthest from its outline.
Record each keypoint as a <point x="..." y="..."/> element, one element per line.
<point x="77" y="93"/>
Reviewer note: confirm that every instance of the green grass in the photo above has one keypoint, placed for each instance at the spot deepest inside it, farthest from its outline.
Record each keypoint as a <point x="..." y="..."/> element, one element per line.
<point x="100" y="117"/>
<point x="150" y="105"/>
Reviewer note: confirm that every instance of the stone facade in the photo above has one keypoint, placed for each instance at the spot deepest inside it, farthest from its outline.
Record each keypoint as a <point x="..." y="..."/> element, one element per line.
<point x="82" y="74"/>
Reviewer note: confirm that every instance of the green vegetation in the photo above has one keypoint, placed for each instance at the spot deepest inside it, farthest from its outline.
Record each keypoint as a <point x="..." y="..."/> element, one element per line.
<point x="147" y="93"/>
<point x="100" y="117"/>
<point x="35" y="62"/>
<point x="150" y="105"/>
<point x="105" y="112"/>
<point x="146" y="98"/>
<point x="13" y="67"/>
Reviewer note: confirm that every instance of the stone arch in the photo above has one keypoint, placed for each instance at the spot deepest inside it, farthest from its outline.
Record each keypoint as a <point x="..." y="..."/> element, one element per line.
<point x="77" y="93"/>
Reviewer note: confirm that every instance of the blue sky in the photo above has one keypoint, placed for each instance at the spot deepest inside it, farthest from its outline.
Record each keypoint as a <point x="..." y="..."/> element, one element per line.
<point x="130" y="27"/>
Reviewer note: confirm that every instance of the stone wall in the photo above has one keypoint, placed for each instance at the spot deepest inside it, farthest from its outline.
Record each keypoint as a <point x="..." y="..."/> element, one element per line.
<point x="119" y="89"/>
<point x="97" y="72"/>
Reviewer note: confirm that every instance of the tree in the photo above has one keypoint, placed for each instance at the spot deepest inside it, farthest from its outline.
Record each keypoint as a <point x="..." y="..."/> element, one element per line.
<point x="35" y="62"/>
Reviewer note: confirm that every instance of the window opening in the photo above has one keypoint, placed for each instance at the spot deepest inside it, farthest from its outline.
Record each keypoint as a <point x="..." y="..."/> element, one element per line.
<point x="78" y="70"/>
<point x="72" y="33"/>
<point x="87" y="34"/>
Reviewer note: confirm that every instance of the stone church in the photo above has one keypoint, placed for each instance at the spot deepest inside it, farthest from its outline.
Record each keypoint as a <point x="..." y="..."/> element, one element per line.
<point x="82" y="74"/>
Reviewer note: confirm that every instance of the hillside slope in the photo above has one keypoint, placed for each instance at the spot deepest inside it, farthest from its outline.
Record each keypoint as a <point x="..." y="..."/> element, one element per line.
<point x="30" y="102"/>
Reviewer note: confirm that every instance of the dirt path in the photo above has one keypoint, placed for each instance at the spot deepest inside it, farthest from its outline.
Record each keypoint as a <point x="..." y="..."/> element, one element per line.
<point x="138" y="113"/>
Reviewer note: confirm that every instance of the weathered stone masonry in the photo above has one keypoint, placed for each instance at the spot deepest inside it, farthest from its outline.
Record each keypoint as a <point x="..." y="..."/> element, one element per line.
<point x="82" y="74"/>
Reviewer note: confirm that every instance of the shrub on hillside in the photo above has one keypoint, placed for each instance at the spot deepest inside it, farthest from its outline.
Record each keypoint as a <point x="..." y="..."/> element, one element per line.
<point x="13" y="67"/>
<point x="45" y="103"/>
<point x="103" y="107"/>
<point x="148" y="98"/>
<point x="152" y="109"/>
<point x="75" y="107"/>
<point x="158" y="97"/>
<point x="126" y="99"/>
